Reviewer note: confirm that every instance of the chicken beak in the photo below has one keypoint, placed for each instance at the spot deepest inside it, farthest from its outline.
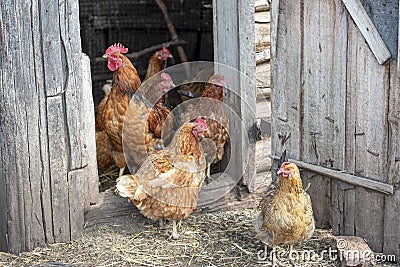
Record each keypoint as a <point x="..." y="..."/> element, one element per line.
<point x="279" y="171"/>
<point x="105" y="56"/>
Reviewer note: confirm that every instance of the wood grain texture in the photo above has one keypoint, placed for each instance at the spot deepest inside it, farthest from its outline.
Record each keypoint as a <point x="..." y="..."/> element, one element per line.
<point x="368" y="85"/>
<point x="41" y="124"/>
<point x="345" y="117"/>
<point x="324" y="73"/>
<point x="368" y="30"/>
<point x="238" y="51"/>
<point x="287" y="88"/>
<point x="89" y="163"/>
<point x="391" y="242"/>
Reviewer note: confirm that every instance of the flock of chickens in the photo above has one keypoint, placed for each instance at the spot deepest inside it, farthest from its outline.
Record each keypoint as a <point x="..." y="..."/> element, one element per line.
<point x="170" y="174"/>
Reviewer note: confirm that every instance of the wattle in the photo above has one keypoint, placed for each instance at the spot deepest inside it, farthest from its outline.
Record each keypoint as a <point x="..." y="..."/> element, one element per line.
<point x="111" y="66"/>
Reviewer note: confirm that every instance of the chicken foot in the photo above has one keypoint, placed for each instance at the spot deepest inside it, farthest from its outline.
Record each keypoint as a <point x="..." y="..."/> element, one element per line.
<point x="175" y="234"/>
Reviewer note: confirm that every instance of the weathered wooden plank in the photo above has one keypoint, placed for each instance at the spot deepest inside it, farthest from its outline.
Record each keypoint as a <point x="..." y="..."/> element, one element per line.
<point x="51" y="44"/>
<point x="33" y="143"/>
<point x="385" y="17"/>
<point x="23" y="200"/>
<point x="225" y="40"/>
<point x="324" y="73"/>
<point x="398" y="46"/>
<point x="76" y="182"/>
<point x="91" y="187"/>
<point x="335" y="119"/>
<point x="71" y="72"/>
<point x="236" y="52"/>
<point x="349" y="209"/>
<point x="58" y="158"/>
<point x="391" y="235"/>
<point x="286" y="41"/>
<point x="10" y="126"/>
<point x="42" y="149"/>
<point x="368" y="30"/>
<point x="345" y="177"/>
<point x="369" y="84"/>
<point x="391" y="243"/>
<point x="247" y="65"/>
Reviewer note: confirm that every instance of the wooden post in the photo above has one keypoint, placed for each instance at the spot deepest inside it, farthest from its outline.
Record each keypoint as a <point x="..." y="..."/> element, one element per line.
<point x="234" y="46"/>
<point x="44" y="162"/>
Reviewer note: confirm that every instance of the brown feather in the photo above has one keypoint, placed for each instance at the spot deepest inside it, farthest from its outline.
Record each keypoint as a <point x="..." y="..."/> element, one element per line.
<point x="167" y="184"/>
<point x="111" y="115"/>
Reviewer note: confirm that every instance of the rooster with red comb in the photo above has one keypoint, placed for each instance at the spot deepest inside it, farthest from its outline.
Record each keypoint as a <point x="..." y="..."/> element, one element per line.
<point x="111" y="111"/>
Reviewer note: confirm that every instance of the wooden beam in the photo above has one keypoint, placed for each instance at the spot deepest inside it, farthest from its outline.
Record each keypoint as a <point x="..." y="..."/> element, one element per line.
<point x="368" y="30"/>
<point x="345" y="177"/>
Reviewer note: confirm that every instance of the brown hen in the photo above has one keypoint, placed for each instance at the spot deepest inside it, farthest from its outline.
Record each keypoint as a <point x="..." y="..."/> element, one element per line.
<point x="167" y="184"/>
<point x="210" y="107"/>
<point x="157" y="62"/>
<point x="145" y="120"/>
<point x="286" y="212"/>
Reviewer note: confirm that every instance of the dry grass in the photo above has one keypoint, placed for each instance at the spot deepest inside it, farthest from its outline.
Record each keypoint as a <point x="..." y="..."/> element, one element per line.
<point x="108" y="178"/>
<point x="213" y="239"/>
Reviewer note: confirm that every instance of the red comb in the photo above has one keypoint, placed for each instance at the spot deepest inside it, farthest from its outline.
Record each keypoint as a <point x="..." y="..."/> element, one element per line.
<point x="117" y="47"/>
<point x="285" y="163"/>
<point x="165" y="49"/>
<point x="201" y="121"/>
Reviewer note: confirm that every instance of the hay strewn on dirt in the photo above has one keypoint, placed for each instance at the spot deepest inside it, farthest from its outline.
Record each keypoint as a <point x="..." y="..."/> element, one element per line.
<point x="213" y="239"/>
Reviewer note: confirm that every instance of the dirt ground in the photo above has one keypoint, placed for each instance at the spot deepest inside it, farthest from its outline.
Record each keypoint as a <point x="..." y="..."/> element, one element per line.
<point x="207" y="239"/>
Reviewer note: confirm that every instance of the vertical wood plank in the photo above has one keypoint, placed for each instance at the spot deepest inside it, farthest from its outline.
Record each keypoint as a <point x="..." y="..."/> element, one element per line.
<point x="324" y="76"/>
<point x="234" y="46"/>
<point x="58" y="158"/>
<point x="369" y="84"/>
<point x="34" y="140"/>
<point x="391" y="243"/>
<point x="247" y="63"/>
<point x="286" y="92"/>
<point x="336" y="120"/>
<point x="76" y="180"/>
<point x="91" y="187"/>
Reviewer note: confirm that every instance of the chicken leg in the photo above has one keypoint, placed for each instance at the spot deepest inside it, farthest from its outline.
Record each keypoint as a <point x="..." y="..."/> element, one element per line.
<point x="175" y="234"/>
<point x="121" y="171"/>
<point x="208" y="171"/>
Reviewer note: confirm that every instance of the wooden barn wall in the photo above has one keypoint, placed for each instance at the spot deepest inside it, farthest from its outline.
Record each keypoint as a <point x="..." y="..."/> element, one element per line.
<point x="45" y="163"/>
<point x="341" y="110"/>
<point x="140" y="24"/>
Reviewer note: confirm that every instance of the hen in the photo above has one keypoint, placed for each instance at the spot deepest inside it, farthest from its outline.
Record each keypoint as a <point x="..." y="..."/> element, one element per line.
<point x="286" y="212"/>
<point x="157" y="62"/>
<point x="210" y="107"/>
<point x="111" y="111"/>
<point x="194" y="89"/>
<point x="167" y="184"/>
<point x="146" y="118"/>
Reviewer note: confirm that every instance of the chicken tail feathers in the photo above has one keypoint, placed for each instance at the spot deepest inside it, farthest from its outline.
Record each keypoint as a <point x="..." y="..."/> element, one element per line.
<point x="127" y="187"/>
